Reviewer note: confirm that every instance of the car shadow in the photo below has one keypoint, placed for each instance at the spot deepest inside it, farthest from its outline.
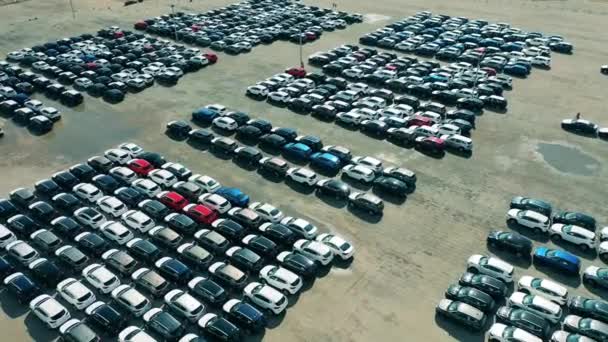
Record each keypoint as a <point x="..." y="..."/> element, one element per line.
<point x="497" y="110"/>
<point x="301" y="188"/>
<point x="276" y="104"/>
<point x="582" y="134"/>
<point x="394" y="199"/>
<point x="201" y="124"/>
<point x="355" y="183"/>
<point x="255" y="97"/>
<point x="293" y="299"/>
<point x="322" y="118"/>
<point x="269" y="176"/>
<point x="527" y="232"/>
<point x="365" y="216"/>
<point x="590" y="254"/>
<point x="38" y="133"/>
<point x="244" y="165"/>
<point x="198" y="145"/>
<point x="274" y="321"/>
<point x="564" y="278"/>
<point x="10" y="306"/>
<point x="343" y="264"/>
<point x="175" y="137"/>
<point x="596" y="290"/>
<point x="351" y="128"/>
<point x="254" y="338"/>
<point x="458" y="332"/>
<point x="331" y="201"/>
<point x="246" y="140"/>
<point x="221" y="132"/>
<point x="324" y="172"/>
<point x="404" y="144"/>
<point x="461" y="154"/>
<point x="373" y="135"/>
<point x="519" y="261"/>
<point x="220" y="154"/>
<point x="269" y="149"/>
<point x="38" y="330"/>
<point x="434" y="155"/>
<point x="294" y="160"/>
<point x="323" y="271"/>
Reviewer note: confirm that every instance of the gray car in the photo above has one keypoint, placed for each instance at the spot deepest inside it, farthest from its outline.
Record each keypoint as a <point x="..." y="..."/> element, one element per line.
<point x="596" y="276"/>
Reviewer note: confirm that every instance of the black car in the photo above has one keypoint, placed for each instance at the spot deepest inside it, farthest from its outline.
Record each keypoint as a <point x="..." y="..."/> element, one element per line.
<point x="260" y="245"/>
<point x="6" y="267"/>
<point x="174" y="270"/>
<point x="164" y="324"/>
<point x="46" y="241"/>
<point x="249" y="132"/>
<point x="153" y="158"/>
<point x="208" y="290"/>
<point x="490" y="285"/>
<point x="229" y="228"/>
<point x="334" y="188"/>
<point x="510" y="241"/>
<point x="525" y="203"/>
<point x="245" y="315"/>
<point x="7" y="209"/>
<point x="129" y="196"/>
<point x="65" y="179"/>
<point x="154" y="209"/>
<point x="575" y="218"/>
<point x="263" y="125"/>
<point x="46" y="272"/>
<point x="298" y="263"/>
<point x="143" y="249"/>
<point x="179" y="128"/>
<point x="181" y="223"/>
<point x="22" y="287"/>
<point x="471" y="296"/>
<point x="22" y="225"/>
<point x="376" y="128"/>
<point x="66" y="226"/>
<point x="92" y="243"/>
<point x="224" y="145"/>
<point x="151" y="282"/>
<point x="588" y="307"/>
<point x="100" y="164"/>
<point x="470" y="103"/>
<point x="189" y="190"/>
<point x="248" y="155"/>
<point x="194" y="255"/>
<point x="220" y="328"/>
<point x="106" y="183"/>
<point x="366" y="202"/>
<point x="200" y="136"/>
<point x="83" y="172"/>
<point x="391" y="186"/>
<point x="119" y="261"/>
<point x="524" y="319"/>
<point x="22" y="197"/>
<point x="278" y="233"/>
<point x="245" y="258"/>
<point x="47" y="188"/>
<point x="580" y="126"/>
<point x="105" y="317"/>
<point x="73" y="259"/>
<point x="273" y="141"/>
<point x="42" y="211"/>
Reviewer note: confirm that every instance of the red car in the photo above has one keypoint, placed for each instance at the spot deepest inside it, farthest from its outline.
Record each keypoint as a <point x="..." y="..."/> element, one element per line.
<point x="140" y="25"/>
<point x="140" y="166"/>
<point x="195" y="28"/>
<point x="296" y="72"/>
<point x="419" y="120"/>
<point x="200" y="213"/>
<point x="489" y="71"/>
<point x="118" y="34"/>
<point x="430" y="144"/>
<point x="211" y="57"/>
<point x="173" y="200"/>
<point x="390" y="67"/>
<point x="91" y="66"/>
<point x="310" y="36"/>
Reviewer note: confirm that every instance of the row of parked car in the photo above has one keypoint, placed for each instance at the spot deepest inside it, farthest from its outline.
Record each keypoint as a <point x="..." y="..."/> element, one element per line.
<point x="496" y="46"/>
<point x="239" y="27"/>
<point x="109" y="224"/>
<point x="111" y="63"/>
<point x="531" y="312"/>
<point x="585" y="127"/>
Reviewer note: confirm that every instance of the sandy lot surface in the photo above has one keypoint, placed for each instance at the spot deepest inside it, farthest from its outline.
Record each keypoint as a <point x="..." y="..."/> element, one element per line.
<point x="404" y="262"/>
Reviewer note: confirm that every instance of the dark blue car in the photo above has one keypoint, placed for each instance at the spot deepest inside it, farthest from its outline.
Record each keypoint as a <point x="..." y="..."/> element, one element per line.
<point x="325" y="162"/>
<point x="516" y="70"/>
<point x="235" y="196"/>
<point x="557" y="259"/>
<point x="297" y="150"/>
<point x="205" y="115"/>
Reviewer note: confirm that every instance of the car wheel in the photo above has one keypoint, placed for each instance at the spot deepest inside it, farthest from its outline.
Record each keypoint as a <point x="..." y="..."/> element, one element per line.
<point x="538" y="231"/>
<point x="584" y="247"/>
<point x="472" y="270"/>
<point x="511" y="221"/>
<point x="556" y="237"/>
<point x="589" y="281"/>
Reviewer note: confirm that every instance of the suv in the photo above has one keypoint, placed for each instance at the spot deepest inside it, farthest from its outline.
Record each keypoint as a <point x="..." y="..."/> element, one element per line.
<point x="274" y="165"/>
<point x="366" y="202"/>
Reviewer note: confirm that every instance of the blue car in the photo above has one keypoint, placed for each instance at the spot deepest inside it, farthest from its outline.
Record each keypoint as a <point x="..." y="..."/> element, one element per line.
<point x="557" y="259"/>
<point x="325" y="161"/>
<point x="297" y="150"/>
<point x="235" y="196"/>
<point x="205" y="115"/>
<point x="516" y="70"/>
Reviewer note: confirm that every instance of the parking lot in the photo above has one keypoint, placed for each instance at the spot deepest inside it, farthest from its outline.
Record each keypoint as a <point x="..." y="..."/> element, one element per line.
<point x="405" y="261"/>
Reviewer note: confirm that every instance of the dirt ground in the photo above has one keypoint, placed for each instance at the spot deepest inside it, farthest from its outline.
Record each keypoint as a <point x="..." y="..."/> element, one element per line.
<point x="404" y="262"/>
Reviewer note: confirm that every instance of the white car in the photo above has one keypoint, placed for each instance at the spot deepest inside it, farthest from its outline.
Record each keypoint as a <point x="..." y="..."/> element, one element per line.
<point x="124" y="174"/>
<point x="541" y="61"/>
<point x="163" y="177"/>
<point x="587" y="326"/>
<point x="90" y="217"/>
<point x="49" y="311"/>
<point x="267" y="211"/>
<point x="87" y="192"/>
<point x="75" y="293"/>
<point x="101" y="278"/>
<point x="504" y="333"/>
<point x="446" y="129"/>
<point x="131" y="299"/>
<point x="314" y="250"/>
<point x="266" y="297"/>
<point x="564" y="336"/>
<point x="190" y="338"/>
<point x="111" y="206"/>
<point x="207" y="183"/>
<point x="215" y="202"/>
<point x="118" y="156"/>
<point x="340" y="247"/>
<point x="300" y="226"/>
<point x="370" y="162"/>
<point x="133" y="149"/>
<point x="359" y="172"/>
<point x="134" y="334"/>
<point x="147" y="187"/>
<point x="302" y="175"/>
<point x="6" y="236"/>
<point x="257" y="90"/>
<point x="543" y="287"/>
<point x="22" y="251"/>
<point x="184" y="304"/>
<point x="50" y="112"/>
<point x="579" y="236"/>
<point x="425" y="131"/>
<point x="138" y="220"/>
<point x="458" y="142"/>
<point x="281" y="279"/>
<point x="225" y="123"/>
<point x="349" y="118"/>
<point x="117" y="232"/>
<point x="529" y="219"/>
<point x="279" y="97"/>
<point x="151" y="70"/>
<point x="354" y="73"/>
<point x="177" y="169"/>
<point x="536" y="304"/>
<point x="491" y="266"/>
<point x="221" y="109"/>
<point x="34" y="105"/>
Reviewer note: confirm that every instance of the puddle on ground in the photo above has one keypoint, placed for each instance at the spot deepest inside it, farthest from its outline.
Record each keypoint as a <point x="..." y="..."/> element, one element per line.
<point x="568" y="159"/>
<point x="371" y="18"/>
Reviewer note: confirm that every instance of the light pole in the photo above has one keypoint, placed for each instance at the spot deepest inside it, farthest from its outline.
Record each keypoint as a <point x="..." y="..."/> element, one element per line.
<point x="173" y="15"/>
<point x="301" y="60"/>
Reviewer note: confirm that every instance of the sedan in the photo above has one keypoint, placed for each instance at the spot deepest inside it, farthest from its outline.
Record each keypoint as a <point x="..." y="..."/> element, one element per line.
<point x="559" y="260"/>
<point x="462" y="313"/>
<point x="471" y="296"/>
<point x="596" y="276"/>
<point x="543" y="287"/>
<point x="510" y="241"/>
<point x="536" y="304"/>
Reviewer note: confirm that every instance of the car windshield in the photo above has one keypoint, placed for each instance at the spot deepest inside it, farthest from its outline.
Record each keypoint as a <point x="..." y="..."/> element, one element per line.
<point x="602" y="273"/>
<point x="57" y="315"/>
<point x="584" y="323"/>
